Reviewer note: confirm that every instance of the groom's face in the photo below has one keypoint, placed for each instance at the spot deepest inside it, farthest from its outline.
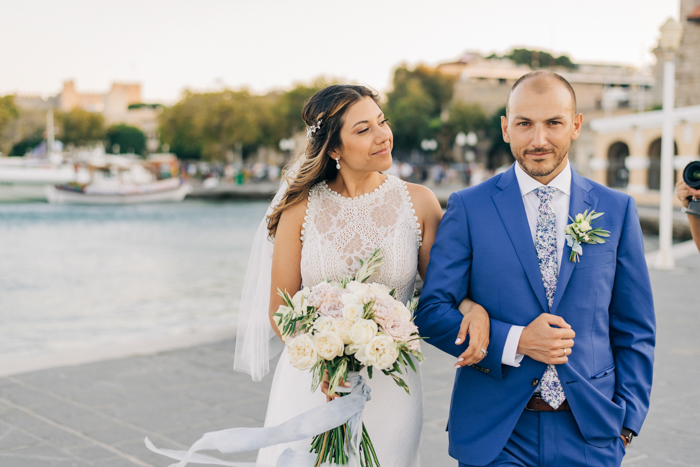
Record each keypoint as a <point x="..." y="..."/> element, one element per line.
<point x="540" y="126"/>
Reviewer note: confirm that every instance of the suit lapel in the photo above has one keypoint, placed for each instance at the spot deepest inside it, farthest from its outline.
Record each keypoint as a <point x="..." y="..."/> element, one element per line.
<point x="579" y="201"/>
<point x="509" y="202"/>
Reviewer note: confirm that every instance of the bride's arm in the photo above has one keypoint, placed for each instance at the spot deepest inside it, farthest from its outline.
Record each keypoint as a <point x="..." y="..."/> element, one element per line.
<point x="286" y="258"/>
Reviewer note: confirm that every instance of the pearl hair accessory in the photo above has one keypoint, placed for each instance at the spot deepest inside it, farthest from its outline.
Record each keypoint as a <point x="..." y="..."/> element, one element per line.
<point x="313" y="129"/>
<point x="337" y="163"/>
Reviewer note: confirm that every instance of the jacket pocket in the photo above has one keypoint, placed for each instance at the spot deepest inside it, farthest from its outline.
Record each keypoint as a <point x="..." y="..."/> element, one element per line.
<point x="591" y="260"/>
<point x="604" y="373"/>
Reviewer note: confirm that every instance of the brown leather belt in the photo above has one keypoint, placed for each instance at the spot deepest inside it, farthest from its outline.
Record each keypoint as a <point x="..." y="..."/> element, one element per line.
<point x="537" y="404"/>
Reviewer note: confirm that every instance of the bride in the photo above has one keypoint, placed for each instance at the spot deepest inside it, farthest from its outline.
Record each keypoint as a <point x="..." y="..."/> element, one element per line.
<point x="335" y="209"/>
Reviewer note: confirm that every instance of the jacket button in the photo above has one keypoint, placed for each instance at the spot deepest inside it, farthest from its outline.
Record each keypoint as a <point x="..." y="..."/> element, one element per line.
<point x="486" y="370"/>
<point x="535" y="382"/>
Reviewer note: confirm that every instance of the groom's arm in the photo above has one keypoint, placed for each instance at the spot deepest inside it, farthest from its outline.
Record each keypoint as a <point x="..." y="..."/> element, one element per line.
<point x="632" y="323"/>
<point x="446" y="285"/>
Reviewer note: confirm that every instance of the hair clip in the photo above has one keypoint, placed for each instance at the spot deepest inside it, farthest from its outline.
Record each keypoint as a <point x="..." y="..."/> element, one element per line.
<point x="312" y="129"/>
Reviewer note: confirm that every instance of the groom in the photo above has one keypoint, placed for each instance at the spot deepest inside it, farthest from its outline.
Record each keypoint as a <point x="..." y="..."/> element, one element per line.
<point x="536" y="399"/>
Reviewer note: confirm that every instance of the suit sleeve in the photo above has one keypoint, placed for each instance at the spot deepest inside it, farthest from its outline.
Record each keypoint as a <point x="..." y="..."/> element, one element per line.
<point x="446" y="285"/>
<point x="632" y="323"/>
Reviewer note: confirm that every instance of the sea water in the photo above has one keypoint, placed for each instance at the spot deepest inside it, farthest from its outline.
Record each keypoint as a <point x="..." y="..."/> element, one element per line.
<point x="89" y="276"/>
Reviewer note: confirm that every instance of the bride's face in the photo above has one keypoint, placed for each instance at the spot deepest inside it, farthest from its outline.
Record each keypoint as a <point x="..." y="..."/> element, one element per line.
<point x="367" y="139"/>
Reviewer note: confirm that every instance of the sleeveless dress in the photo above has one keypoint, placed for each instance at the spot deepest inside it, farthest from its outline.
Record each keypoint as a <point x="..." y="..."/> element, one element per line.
<point x="338" y="232"/>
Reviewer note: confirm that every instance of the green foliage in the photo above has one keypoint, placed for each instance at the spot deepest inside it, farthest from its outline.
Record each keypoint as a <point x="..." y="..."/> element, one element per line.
<point x="538" y="59"/>
<point x="208" y="125"/>
<point x="498" y="146"/>
<point x="27" y="144"/>
<point x="141" y="105"/>
<point x="415" y="104"/>
<point x="129" y="138"/>
<point x="8" y="111"/>
<point x="80" y="127"/>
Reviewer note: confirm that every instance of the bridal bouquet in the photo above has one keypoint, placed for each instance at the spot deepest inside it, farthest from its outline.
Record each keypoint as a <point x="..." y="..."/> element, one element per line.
<point x="336" y="328"/>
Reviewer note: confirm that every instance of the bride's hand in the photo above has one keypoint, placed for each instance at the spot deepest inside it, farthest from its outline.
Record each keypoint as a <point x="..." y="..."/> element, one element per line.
<point x="475" y="322"/>
<point x="324" y="387"/>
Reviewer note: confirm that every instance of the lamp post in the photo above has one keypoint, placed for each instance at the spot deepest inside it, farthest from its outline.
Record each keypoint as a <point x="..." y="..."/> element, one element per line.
<point x="671" y="34"/>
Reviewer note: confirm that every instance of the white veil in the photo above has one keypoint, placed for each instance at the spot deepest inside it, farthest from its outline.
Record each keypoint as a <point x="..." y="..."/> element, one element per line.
<point x="256" y="342"/>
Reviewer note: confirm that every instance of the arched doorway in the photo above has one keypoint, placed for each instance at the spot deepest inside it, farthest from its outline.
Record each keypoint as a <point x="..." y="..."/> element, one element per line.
<point x="618" y="175"/>
<point x="654" y="174"/>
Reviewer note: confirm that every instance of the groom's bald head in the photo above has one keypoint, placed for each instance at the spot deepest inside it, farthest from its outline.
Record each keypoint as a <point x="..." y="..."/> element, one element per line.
<point x="540" y="82"/>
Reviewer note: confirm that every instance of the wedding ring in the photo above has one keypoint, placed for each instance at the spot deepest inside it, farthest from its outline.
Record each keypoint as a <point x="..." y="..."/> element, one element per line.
<point x="564" y="353"/>
<point x="485" y="352"/>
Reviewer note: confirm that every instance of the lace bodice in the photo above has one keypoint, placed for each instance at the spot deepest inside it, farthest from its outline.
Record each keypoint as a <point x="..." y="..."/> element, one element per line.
<point x="338" y="232"/>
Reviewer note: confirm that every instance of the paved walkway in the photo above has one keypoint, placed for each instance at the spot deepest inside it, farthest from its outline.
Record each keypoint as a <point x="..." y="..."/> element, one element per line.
<point x="99" y="413"/>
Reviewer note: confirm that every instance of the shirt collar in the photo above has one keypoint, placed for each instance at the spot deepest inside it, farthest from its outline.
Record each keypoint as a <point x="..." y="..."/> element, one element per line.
<point x="561" y="182"/>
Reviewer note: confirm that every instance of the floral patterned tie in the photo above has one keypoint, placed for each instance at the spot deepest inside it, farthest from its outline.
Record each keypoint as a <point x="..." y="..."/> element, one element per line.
<point x="546" y="246"/>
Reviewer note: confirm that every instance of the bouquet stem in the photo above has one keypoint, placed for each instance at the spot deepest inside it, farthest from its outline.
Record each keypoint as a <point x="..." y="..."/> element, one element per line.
<point x="333" y="447"/>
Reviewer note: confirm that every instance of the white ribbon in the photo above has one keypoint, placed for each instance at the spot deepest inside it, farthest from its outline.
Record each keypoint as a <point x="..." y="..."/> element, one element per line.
<point x="346" y="409"/>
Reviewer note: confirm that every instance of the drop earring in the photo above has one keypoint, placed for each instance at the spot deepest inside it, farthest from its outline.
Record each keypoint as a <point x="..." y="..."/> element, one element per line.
<point x="337" y="163"/>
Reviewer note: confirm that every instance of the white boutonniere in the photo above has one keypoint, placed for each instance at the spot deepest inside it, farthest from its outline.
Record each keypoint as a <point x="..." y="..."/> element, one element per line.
<point x="580" y="231"/>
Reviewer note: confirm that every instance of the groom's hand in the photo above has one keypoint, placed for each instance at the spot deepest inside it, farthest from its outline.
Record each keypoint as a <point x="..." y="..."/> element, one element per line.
<point x="544" y="343"/>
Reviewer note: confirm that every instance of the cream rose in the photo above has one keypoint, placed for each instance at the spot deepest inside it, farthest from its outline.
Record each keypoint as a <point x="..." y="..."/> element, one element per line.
<point x="349" y="298"/>
<point x="379" y="289"/>
<point x="381" y="351"/>
<point x="302" y="353"/>
<point x="343" y="327"/>
<point x="353" y="311"/>
<point x="329" y="345"/>
<point x="402" y="311"/>
<point x="324" y="323"/>
<point x="363" y="331"/>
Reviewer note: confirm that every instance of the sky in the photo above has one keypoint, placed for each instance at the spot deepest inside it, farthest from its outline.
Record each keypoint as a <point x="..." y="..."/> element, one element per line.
<point x="172" y="45"/>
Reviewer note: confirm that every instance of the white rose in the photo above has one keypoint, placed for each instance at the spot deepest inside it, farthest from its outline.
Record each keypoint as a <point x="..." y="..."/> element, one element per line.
<point x="379" y="289"/>
<point x="402" y="311"/>
<point x="363" y="331"/>
<point x="343" y="327"/>
<point x="361" y="355"/>
<point x="329" y="345"/>
<point x="302" y="353"/>
<point x="324" y="323"/>
<point x="359" y="289"/>
<point x="353" y="311"/>
<point x="299" y="299"/>
<point x="349" y="298"/>
<point x="381" y="351"/>
<point x="585" y="226"/>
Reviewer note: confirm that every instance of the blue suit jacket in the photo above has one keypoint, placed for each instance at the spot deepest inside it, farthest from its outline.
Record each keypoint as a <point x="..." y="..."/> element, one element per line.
<point x="484" y="251"/>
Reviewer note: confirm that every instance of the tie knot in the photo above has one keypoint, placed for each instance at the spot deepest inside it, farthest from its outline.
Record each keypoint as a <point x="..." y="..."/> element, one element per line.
<point x="545" y="193"/>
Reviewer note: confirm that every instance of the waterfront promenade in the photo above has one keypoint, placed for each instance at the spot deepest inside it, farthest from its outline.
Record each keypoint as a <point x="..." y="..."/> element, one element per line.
<point x="99" y="413"/>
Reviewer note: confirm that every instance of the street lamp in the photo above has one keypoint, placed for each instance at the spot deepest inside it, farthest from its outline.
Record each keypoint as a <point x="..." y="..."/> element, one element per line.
<point x="429" y="145"/>
<point x="671" y="34"/>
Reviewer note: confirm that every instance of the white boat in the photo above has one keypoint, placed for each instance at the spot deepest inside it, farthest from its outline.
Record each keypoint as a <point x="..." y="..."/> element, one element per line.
<point x="125" y="180"/>
<point x="23" y="179"/>
<point x="170" y="190"/>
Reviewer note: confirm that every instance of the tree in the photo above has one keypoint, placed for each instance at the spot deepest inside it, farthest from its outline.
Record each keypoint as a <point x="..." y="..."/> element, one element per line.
<point x="129" y="138"/>
<point x="538" y="59"/>
<point x="500" y="152"/>
<point x="8" y="114"/>
<point x="80" y="127"/>
<point x="415" y="105"/>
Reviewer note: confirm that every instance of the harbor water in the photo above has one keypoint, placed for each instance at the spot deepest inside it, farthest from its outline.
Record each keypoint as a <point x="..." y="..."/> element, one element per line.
<point x="79" y="277"/>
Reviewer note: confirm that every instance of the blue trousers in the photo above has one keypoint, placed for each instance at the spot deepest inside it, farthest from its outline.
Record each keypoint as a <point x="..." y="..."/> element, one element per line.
<point x="552" y="439"/>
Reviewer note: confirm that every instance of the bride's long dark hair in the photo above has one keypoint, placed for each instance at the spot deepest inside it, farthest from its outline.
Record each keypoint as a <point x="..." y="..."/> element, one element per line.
<point x="330" y="106"/>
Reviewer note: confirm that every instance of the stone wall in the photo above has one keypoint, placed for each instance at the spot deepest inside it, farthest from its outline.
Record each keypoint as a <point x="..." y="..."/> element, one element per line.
<point x="688" y="61"/>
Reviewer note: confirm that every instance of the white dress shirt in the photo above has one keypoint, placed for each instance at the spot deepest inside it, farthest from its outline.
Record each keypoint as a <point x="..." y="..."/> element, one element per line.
<point x="560" y="202"/>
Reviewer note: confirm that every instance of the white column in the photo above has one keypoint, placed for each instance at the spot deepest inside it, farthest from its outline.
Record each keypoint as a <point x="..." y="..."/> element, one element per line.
<point x="664" y="259"/>
<point x="49" y="132"/>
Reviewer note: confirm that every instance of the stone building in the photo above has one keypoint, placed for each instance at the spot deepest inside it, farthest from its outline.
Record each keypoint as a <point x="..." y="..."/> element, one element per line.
<point x="627" y="152"/>
<point x="602" y="90"/>
<point x="116" y="105"/>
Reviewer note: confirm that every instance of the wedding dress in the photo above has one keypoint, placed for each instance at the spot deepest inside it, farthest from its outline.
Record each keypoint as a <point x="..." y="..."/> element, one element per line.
<point x="338" y="232"/>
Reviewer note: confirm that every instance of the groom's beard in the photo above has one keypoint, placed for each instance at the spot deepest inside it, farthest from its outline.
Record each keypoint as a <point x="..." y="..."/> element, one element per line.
<point x="544" y="167"/>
